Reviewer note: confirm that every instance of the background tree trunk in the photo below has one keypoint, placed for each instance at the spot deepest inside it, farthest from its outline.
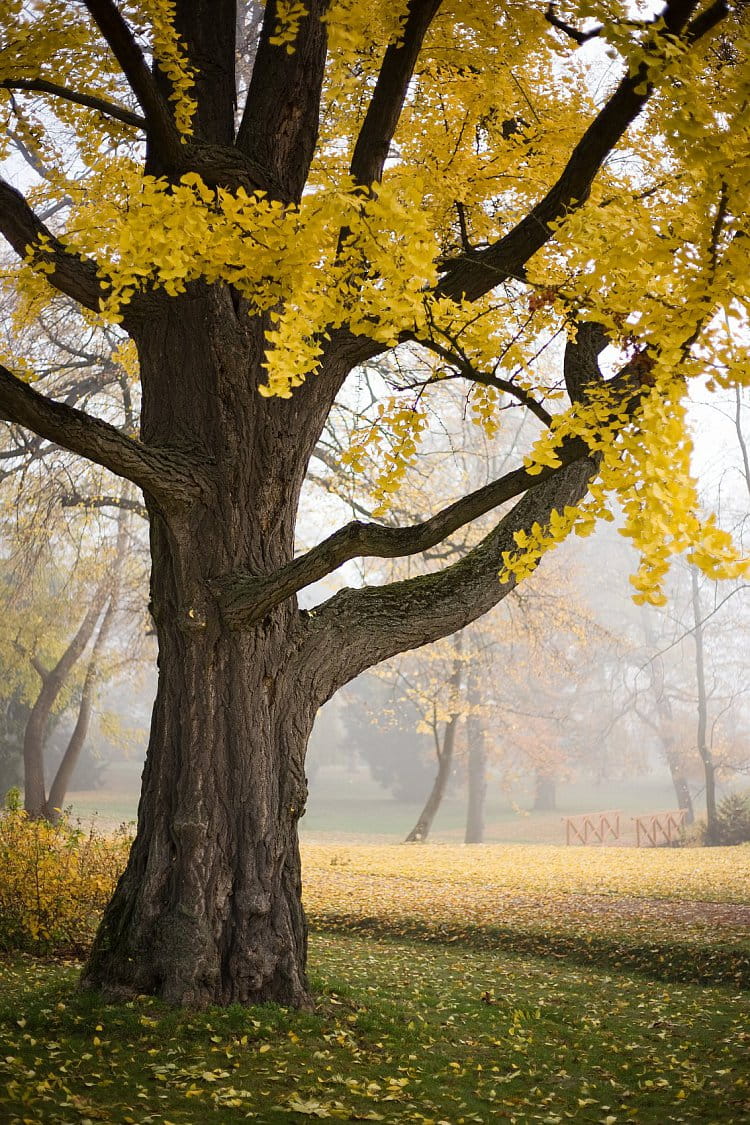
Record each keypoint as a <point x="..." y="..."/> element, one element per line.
<point x="545" y="793"/>
<point x="477" y="768"/>
<point x="421" y="829"/>
<point x="77" y="740"/>
<point x="53" y="681"/>
<point x="704" y="750"/>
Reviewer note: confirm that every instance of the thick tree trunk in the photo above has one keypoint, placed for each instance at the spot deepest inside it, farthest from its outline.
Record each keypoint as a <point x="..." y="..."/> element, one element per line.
<point x="209" y="907"/>
<point x="209" y="910"/>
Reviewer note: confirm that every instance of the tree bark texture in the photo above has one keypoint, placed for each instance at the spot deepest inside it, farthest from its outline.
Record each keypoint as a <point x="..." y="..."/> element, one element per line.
<point x="209" y="907"/>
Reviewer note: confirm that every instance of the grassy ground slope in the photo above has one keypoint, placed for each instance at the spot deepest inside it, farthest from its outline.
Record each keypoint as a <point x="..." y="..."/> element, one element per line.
<point x="463" y="1027"/>
<point x="402" y="1032"/>
<point x="678" y="914"/>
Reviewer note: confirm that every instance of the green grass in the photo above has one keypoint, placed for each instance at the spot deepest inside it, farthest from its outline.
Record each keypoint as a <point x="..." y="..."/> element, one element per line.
<point x="402" y="1032"/>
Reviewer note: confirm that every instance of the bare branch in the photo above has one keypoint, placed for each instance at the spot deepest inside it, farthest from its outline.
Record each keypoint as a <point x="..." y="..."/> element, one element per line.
<point x="77" y="500"/>
<point x="579" y="37"/>
<point x="384" y="110"/>
<point x="166" y="475"/>
<point x="505" y="386"/>
<point x="101" y="105"/>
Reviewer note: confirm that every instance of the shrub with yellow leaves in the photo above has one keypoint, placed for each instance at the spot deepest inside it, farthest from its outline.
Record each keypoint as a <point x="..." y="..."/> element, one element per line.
<point x="55" y="880"/>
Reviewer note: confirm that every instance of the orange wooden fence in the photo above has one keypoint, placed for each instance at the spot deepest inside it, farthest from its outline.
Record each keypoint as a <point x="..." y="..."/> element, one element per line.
<point x="656" y="829"/>
<point x="592" y="828"/>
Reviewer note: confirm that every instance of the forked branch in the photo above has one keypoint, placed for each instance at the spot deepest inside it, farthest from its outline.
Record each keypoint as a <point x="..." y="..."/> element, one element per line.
<point x="160" y="123"/>
<point x="246" y="598"/>
<point x="472" y="275"/>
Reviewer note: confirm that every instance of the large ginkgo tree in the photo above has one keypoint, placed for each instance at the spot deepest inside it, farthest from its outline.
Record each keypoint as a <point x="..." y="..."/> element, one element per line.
<point x="462" y="185"/>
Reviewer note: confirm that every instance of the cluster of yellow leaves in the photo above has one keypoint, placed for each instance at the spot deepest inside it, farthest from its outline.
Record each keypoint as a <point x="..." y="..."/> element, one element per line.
<point x="395" y="433"/>
<point x="646" y="466"/>
<point x="281" y="258"/>
<point x="55" y="880"/>
<point x="170" y="54"/>
<point x="488" y="123"/>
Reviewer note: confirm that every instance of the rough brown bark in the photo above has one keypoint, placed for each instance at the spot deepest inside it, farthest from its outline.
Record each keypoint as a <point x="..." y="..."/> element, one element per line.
<point x="209" y="908"/>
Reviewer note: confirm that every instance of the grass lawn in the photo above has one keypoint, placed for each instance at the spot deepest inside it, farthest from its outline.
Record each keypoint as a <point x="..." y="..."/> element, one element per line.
<point x="507" y="983"/>
<point x="402" y="1032"/>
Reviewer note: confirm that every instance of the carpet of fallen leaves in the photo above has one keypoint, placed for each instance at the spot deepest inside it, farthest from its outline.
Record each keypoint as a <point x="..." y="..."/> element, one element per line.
<point x="402" y="1032"/>
<point x="540" y="995"/>
<point x="682" y="913"/>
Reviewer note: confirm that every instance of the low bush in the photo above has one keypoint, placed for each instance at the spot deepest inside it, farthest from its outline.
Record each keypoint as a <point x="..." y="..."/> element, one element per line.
<point x="733" y="817"/>
<point x="55" y="880"/>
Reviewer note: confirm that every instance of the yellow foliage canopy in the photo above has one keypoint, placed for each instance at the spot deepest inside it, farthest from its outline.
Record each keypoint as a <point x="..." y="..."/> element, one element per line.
<point x="497" y="102"/>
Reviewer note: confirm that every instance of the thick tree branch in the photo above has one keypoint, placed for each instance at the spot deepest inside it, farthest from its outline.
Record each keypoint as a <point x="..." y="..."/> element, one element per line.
<point x="217" y="164"/>
<point x="367" y="625"/>
<point x="364" y="626"/>
<point x="167" y="476"/>
<point x="101" y="105"/>
<point x="471" y="276"/>
<point x="70" y="273"/>
<point x="160" y="124"/>
<point x="279" y="127"/>
<point x="246" y="599"/>
<point x="384" y="110"/>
